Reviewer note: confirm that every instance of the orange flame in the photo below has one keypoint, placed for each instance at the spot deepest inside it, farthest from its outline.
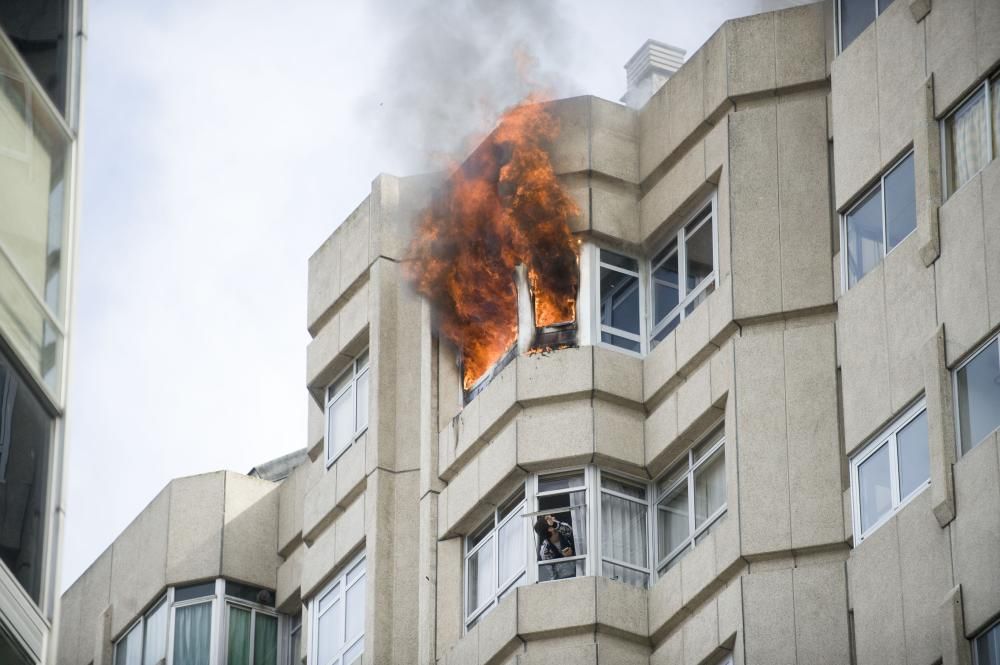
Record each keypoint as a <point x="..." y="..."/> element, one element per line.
<point x="502" y="207"/>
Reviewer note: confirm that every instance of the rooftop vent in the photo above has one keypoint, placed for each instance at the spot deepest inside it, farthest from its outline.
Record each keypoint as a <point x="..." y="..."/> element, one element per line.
<point x="648" y="69"/>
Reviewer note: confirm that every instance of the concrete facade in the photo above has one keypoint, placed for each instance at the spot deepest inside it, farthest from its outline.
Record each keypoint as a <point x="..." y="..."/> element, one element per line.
<point x="784" y="134"/>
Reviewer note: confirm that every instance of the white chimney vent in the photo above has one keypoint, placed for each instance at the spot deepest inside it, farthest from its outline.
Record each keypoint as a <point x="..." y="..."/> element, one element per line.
<point x="648" y="69"/>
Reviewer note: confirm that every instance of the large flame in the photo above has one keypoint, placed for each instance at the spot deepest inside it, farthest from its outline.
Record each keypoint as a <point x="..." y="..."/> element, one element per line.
<point x="502" y="207"/>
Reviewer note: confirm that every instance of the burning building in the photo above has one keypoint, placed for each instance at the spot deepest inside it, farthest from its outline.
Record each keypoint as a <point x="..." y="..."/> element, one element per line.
<point x="768" y="434"/>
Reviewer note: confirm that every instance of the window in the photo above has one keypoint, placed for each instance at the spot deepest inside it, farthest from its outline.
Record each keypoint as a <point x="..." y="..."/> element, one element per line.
<point x="252" y="636"/>
<point x="347" y="407"/>
<point x="495" y="562"/>
<point x="621" y="301"/>
<point x="293" y="653"/>
<point x="624" y="530"/>
<point x="890" y="471"/>
<point x="192" y="624"/>
<point x="880" y="221"/>
<point x="145" y="643"/>
<point x="560" y="525"/>
<point x="977" y="393"/>
<point x="986" y="647"/>
<point x="856" y="15"/>
<point x="338" y="619"/>
<point x="682" y="274"/>
<point x="690" y="497"/>
<point x="972" y="134"/>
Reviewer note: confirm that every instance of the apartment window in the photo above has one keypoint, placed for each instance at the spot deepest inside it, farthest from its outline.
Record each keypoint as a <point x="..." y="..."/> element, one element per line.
<point x="875" y="225"/>
<point x="856" y="15"/>
<point x="251" y="626"/>
<point x="293" y="653"/>
<point x="338" y="619"/>
<point x="495" y="561"/>
<point x="347" y="407"/>
<point x="621" y="301"/>
<point x="986" y="646"/>
<point x="972" y="134"/>
<point x="977" y="393"/>
<point x="890" y="471"/>
<point x="624" y="530"/>
<point x="690" y="497"/>
<point x="682" y="274"/>
<point x="192" y="624"/>
<point x="145" y="643"/>
<point x="561" y="525"/>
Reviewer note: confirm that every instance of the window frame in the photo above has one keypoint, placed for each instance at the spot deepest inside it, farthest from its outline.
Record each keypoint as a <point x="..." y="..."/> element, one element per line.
<point x="679" y="236"/>
<point x="532" y="495"/>
<point x="947" y="149"/>
<point x="886" y="437"/>
<point x="858" y="201"/>
<point x="980" y="635"/>
<point x="492" y="540"/>
<point x="140" y="625"/>
<point x="618" y="332"/>
<point x="663" y="564"/>
<point x="969" y="357"/>
<point x="599" y="490"/>
<point x="356" y="372"/>
<point x="839" y="13"/>
<point x="314" y="614"/>
<point x="254" y="609"/>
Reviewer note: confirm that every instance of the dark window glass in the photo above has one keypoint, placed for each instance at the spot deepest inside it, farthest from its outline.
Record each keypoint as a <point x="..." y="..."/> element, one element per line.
<point x="619" y="261"/>
<point x="988" y="647"/>
<point x="25" y="434"/>
<point x="855" y="16"/>
<point x="620" y="300"/>
<point x="979" y="396"/>
<point x="620" y="342"/>
<point x="914" y="456"/>
<point x="249" y="593"/>
<point x="900" y="203"/>
<point x="10" y="651"/>
<point x="38" y="29"/>
<point x="864" y="237"/>
<point x="183" y="593"/>
<point x="883" y="5"/>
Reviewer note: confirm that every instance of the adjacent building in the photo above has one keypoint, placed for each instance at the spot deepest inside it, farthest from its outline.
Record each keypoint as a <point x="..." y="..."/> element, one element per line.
<point x="771" y="439"/>
<point x="41" y="47"/>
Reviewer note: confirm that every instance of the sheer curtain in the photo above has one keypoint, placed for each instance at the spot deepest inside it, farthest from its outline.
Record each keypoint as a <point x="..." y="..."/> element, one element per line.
<point x="969" y="144"/>
<point x="193" y="634"/>
<point x="155" y="644"/>
<point x="238" y="645"/>
<point x="265" y="640"/>
<point x="623" y="537"/>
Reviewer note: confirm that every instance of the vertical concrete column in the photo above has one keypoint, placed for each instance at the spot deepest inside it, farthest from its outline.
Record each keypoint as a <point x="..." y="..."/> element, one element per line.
<point x="927" y="171"/>
<point x="954" y="647"/>
<point x="102" y="639"/>
<point x="427" y="592"/>
<point x="430" y="486"/>
<point x="940" y="427"/>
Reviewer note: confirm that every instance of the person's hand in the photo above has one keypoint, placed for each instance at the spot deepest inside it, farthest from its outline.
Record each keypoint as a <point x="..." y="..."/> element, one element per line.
<point x="567" y="551"/>
<point x="550" y="520"/>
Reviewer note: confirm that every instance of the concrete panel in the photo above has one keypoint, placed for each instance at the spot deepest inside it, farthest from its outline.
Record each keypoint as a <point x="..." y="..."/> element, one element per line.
<point x="578" y="602"/>
<point x="614" y="210"/>
<point x="353" y="315"/>
<point x="498" y="460"/>
<point x="291" y="495"/>
<point x="698" y="569"/>
<point x="987" y="35"/>
<point x="350" y="534"/>
<point x="496" y="403"/>
<point x="940" y="427"/>
<point x="864" y="358"/>
<point x="194" y="544"/>
<point x="670" y="652"/>
<point x="498" y="632"/>
<point x="684" y="181"/>
<point x="951" y="50"/>
<point x="617" y="375"/>
<point x="70" y="627"/>
<point x="701" y="633"/>
<point x="354" y="257"/>
<point x="576" y="649"/>
<point x="692" y="337"/>
<point x="694" y="402"/>
<point x="449" y="593"/>
<point x="249" y="535"/>
<point x="462" y="495"/>
<point x="721" y="368"/>
<point x="991" y="225"/>
<point x="466" y="650"/>
<point x="565" y="372"/>
<point x="720" y="308"/>
<point x="716" y="76"/>
<point x="821" y="633"/>
<point x="324" y="278"/>
<point x="960" y="272"/>
<point x="665" y="599"/>
<point x="750" y="42"/>
<point x="900" y="73"/>
<point x="614" y="150"/>
<point x="617" y="651"/>
<point x="618" y="434"/>
<point x="659" y="369"/>
<point x="571" y="153"/>
<point x="287" y="594"/>
<point x="877" y="597"/>
<point x="976" y="532"/>
<point x="716" y="149"/>
<point x="730" y="604"/>
<point x="686" y="90"/>
<point x="804" y="207"/>
<point x="654" y="133"/>
<point x="320" y="505"/>
<point x="662" y="444"/>
<point x="139" y="558"/>
<point x="854" y="91"/>
<point x="800" y="45"/>
<point x="622" y="608"/>
<point x="769" y="618"/>
<point x="753" y="201"/>
<point x="561" y="433"/>
<point x="316" y="429"/>
<point x="81" y="614"/>
<point x="350" y="471"/>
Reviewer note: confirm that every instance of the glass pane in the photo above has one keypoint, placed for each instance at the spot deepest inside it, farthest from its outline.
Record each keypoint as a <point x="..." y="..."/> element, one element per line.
<point x="623" y="574"/>
<point x="621" y="342"/>
<point x="561" y="570"/>
<point x="330" y="633"/>
<point x="623" y="530"/>
<point x="979" y="397"/>
<point x="875" y="491"/>
<point x="477" y="536"/>
<point x="362" y="361"/>
<point x="967" y="140"/>
<point x="238" y="644"/>
<point x="355" y="610"/>
<point x="709" y="487"/>
<point x="707" y="443"/>
<point x="155" y="642"/>
<point x="193" y="591"/>
<point x="883" y="5"/>
<point x="666" y="279"/>
<point x="340" y="423"/>
<point x="623" y="487"/>
<point x="265" y="640"/>
<point x="329" y="598"/>
<point x="340" y="383"/>
<point x="987" y="647"/>
<point x="353" y="655"/>
<point x="672" y="521"/>
<point x="560" y="481"/>
<point x="914" y="458"/>
<point x="615" y="259"/>
<point x="193" y="634"/>
<point x="361" y="417"/>
<point x="480" y="577"/>
<point x="518" y="582"/>
<point x="995" y="105"/>
<point x="700" y="261"/>
<point x="121" y="650"/>
<point x="511" y="550"/>
<point x="855" y="16"/>
<point x="510" y="505"/>
<point x="620" y="300"/>
<point x="128" y="651"/>
<point x="864" y="237"/>
<point x="900" y="203"/>
<point x="249" y="593"/>
<point x="666" y="330"/>
<point x="295" y="645"/>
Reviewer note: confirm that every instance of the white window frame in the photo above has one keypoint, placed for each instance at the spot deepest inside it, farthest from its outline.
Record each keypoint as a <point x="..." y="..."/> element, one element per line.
<point x="600" y="490"/>
<point x="492" y="539"/>
<point x="292" y="625"/>
<point x="599" y="326"/>
<point x="314" y="613"/>
<point x="837" y="9"/>
<point x="140" y="625"/>
<point x="664" y="562"/>
<point x="684" y="297"/>
<point x="984" y="87"/>
<point x="254" y="609"/>
<point x="356" y="371"/>
<point x="216" y="620"/>
<point x="954" y="391"/>
<point x="858" y="201"/>
<point x="887" y="437"/>
<point x="532" y="495"/>
<point x="980" y="635"/>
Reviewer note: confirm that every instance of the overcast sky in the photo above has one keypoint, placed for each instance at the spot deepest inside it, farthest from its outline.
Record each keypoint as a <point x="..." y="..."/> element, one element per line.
<point x="223" y="141"/>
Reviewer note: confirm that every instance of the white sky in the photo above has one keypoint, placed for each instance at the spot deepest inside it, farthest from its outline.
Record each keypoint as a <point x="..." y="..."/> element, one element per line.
<point x="224" y="140"/>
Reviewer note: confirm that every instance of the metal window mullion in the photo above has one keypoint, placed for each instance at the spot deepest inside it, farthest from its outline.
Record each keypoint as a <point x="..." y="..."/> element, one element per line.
<point x="682" y="266"/>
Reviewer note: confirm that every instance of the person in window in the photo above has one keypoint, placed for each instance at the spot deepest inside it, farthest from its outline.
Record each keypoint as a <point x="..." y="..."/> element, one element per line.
<point x="556" y="542"/>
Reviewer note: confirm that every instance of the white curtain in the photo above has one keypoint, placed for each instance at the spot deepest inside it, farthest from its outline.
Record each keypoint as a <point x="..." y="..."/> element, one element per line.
<point x="969" y="143"/>
<point x="155" y="646"/>
<point x="709" y="487"/>
<point x="193" y="634"/>
<point x="623" y="538"/>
